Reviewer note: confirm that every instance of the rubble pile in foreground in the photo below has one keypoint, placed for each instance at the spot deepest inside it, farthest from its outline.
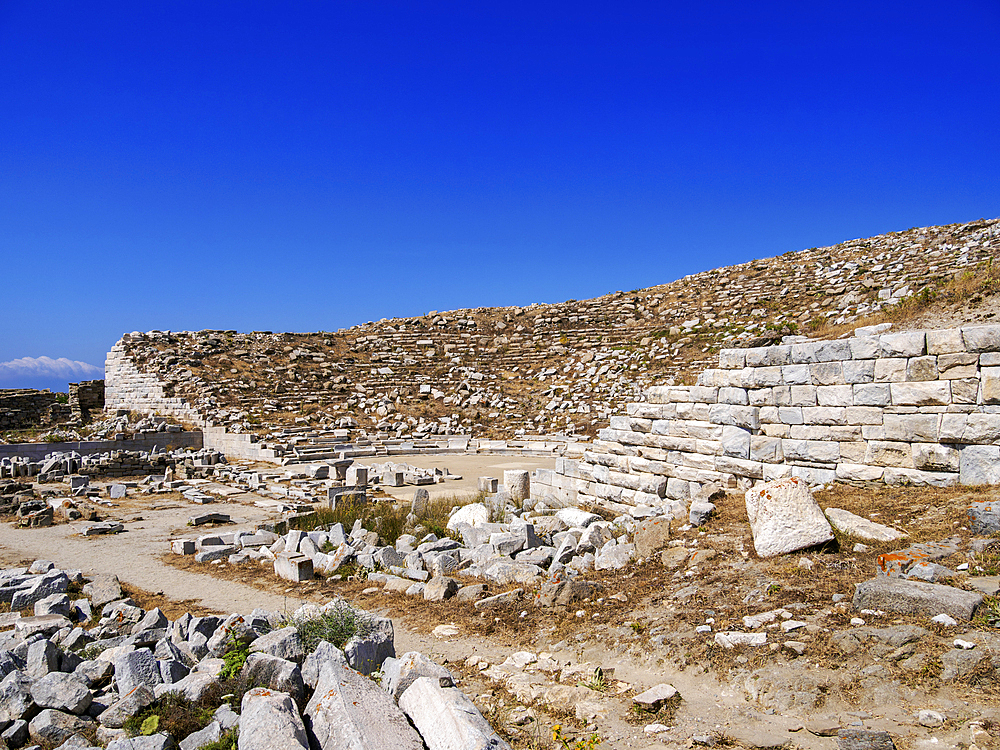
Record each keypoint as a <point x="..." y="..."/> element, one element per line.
<point x="98" y="670"/>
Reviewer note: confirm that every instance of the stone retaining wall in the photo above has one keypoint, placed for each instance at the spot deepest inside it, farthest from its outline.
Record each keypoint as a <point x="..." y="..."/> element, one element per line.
<point x="85" y="397"/>
<point x="128" y="388"/>
<point x="22" y="408"/>
<point x="920" y="407"/>
<point x="138" y="443"/>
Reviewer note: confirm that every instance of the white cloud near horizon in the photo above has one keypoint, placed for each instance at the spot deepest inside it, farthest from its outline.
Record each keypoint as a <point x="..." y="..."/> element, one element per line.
<point x="49" y="368"/>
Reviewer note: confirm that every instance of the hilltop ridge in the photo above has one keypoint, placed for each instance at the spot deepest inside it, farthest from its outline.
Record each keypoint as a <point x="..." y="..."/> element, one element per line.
<point x="563" y="367"/>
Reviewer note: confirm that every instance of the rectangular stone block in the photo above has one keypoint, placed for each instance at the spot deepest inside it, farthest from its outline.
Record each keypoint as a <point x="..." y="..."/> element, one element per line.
<point x="835" y="395"/>
<point x="921" y="368"/>
<point x="853" y="452"/>
<point x="805" y="353"/>
<point x="908" y="344"/>
<point x="859" y="473"/>
<point x="769" y="415"/>
<point x="989" y="359"/>
<point x="917" y="478"/>
<point x="733" y="396"/>
<point x="703" y="394"/>
<point x="863" y="347"/>
<point x="735" y="442"/>
<point x="732" y="359"/>
<point x="859" y="370"/>
<point x="872" y="394"/>
<point x="885" y="453"/>
<point x="980" y="464"/>
<point x="859" y="415"/>
<point x="910" y="428"/>
<point x="983" y="429"/>
<point x="761" y="397"/>
<point x="796" y="375"/>
<point x="740" y="416"/>
<point x="930" y="393"/>
<point x="773" y="472"/>
<point x="802" y="395"/>
<point x="810" y="450"/>
<point x="768" y="356"/>
<point x="790" y="415"/>
<point x="739" y="467"/>
<point x="981" y="338"/>
<point x="990" y="388"/>
<point x="762" y="377"/>
<point x="823" y="432"/>
<point x="813" y="475"/>
<point x="832" y="351"/>
<point x="824" y="415"/>
<point x="890" y="370"/>
<point x="935" y="457"/>
<point x="776" y="430"/>
<point x="765" y="449"/>
<point x="827" y="373"/>
<point x="955" y="366"/>
<point x="782" y="395"/>
<point x="965" y="391"/>
<point x="945" y="341"/>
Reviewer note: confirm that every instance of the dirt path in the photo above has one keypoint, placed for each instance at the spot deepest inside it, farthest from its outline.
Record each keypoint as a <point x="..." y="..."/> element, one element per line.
<point x="132" y="555"/>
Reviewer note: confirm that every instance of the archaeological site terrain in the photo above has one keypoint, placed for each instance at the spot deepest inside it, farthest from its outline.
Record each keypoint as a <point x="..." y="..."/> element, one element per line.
<point x="755" y="507"/>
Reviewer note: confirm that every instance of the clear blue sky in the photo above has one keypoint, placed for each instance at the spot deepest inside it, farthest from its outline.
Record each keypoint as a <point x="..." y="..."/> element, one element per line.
<point x="310" y="166"/>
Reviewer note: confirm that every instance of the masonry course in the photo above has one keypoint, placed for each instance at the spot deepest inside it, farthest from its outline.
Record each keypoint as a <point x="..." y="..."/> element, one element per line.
<point x="823" y="411"/>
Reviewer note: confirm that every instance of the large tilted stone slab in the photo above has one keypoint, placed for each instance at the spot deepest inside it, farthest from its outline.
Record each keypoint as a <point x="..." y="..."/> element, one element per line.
<point x="784" y="517"/>
<point x="269" y="720"/>
<point x="102" y="590"/>
<point x="62" y="692"/>
<point x="366" y="653"/>
<point x="861" y="528"/>
<point x="350" y="712"/>
<point x="916" y="597"/>
<point x="274" y="673"/>
<point x="399" y="674"/>
<point x="446" y="718"/>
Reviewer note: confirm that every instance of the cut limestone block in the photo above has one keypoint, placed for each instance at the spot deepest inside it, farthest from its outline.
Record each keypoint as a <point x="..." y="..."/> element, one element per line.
<point x="293" y="567"/>
<point x="784" y="517"/>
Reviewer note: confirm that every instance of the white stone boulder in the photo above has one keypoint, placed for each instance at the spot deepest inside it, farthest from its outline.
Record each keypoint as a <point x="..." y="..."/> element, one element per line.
<point x="269" y="720"/>
<point x="446" y="718"/>
<point x="861" y="528"/>
<point x="350" y="712"/>
<point x="474" y="514"/>
<point x="784" y="517"/>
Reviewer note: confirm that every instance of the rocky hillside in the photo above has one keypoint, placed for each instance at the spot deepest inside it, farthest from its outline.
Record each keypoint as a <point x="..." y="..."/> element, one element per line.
<point x="567" y="367"/>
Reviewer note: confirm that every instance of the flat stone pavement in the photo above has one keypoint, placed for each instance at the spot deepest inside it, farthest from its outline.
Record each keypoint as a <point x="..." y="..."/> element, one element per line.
<point x="470" y="467"/>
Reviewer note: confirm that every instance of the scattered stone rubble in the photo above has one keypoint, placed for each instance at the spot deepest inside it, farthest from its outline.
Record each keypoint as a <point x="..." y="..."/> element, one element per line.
<point x="525" y="550"/>
<point x="74" y="673"/>
<point x="59" y="465"/>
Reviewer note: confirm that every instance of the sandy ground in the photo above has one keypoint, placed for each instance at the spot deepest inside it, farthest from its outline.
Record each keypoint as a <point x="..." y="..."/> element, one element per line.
<point x="470" y="468"/>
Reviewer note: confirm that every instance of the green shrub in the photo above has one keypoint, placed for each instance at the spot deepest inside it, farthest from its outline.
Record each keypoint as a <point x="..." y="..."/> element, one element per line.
<point x="336" y="624"/>
<point x="235" y="657"/>
<point x="173" y="714"/>
<point x="228" y="741"/>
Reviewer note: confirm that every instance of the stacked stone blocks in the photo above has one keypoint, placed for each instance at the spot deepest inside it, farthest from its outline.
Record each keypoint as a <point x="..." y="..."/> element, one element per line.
<point x="128" y="388"/>
<point x="920" y="407"/>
